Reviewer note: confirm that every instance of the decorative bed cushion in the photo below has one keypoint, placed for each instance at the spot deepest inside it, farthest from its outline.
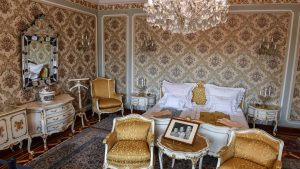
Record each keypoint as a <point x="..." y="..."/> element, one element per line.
<point x="199" y="94"/>
<point x="129" y="151"/>
<point x="211" y="118"/>
<point x="132" y="129"/>
<point x="176" y="102"/>
<point x="236" y="94"/>
<point x="177" y="88"/>
<point x="222" y="104"/>
<point x="183" y="90"/>
<point x="265" y="156"/>
<point x="239" y="163"/>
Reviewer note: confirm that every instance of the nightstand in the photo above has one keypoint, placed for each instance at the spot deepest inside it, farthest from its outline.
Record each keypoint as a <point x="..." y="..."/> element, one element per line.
<point x="265" y="113"/>
<point x="142" y="102"/>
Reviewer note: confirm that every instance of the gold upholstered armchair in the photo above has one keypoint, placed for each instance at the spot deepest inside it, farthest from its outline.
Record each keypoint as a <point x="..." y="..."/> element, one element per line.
<point x="105" y="99"/>
<point x="130" y="143"/>
<point x="249" y="149"/>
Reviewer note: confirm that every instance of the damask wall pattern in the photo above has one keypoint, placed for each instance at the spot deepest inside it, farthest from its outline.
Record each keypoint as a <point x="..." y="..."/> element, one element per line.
<point x="115" y="29"/>
<point x="225" y="55"/>
<point x="295" y="111"/>
<point x="16" y="16"/>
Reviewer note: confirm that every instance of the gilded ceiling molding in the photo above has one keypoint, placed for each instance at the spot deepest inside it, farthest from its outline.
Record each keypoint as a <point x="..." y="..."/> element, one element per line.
<point x="119" y="6"/>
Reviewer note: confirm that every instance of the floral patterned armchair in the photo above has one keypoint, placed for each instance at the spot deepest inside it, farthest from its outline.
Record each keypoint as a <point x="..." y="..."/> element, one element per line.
<point x="249" y="149"/>
<point x="130" y="143"/>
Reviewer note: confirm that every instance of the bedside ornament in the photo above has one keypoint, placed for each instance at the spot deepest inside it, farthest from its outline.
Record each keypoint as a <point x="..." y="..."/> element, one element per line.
<point x="46" y="96"/>
<point x="141" y="85"/>
<point x="265" y="94"/>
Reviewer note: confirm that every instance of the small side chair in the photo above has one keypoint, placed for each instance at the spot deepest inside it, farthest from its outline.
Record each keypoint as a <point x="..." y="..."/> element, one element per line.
<point x="105" y="99"/>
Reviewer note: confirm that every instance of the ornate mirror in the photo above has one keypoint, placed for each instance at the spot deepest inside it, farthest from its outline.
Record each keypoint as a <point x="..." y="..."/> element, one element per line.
<point x="39" y="54"/>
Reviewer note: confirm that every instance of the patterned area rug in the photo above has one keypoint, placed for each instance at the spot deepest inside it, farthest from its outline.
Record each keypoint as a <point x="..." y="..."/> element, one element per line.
<point x="86" y="151"/>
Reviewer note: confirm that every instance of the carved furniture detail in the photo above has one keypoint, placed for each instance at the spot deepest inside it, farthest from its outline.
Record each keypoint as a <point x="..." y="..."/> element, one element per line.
<point x="45" y="119"/>
<point x="175" y="150"/>
<point x="13" y="127"/>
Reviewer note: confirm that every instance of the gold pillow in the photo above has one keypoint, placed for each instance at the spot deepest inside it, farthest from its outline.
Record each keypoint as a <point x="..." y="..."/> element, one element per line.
<point x="199" y="94"/>
<point x="256" y="151"/>
<point x="132" y="129"/>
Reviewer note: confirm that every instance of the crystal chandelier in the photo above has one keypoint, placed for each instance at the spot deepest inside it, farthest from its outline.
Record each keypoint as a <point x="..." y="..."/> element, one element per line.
<point x="186" y="16"/>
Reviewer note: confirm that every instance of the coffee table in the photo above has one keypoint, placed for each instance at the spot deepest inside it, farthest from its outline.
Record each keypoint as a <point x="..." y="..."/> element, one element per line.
<point x="177" y="150"/>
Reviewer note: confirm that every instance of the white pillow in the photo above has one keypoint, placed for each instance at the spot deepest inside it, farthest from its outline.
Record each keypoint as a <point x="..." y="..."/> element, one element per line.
<point x="236" y="94"/>
<point x="174" y="102"/>
<point x="223" y="104"/>
<point x="178" y="89"/>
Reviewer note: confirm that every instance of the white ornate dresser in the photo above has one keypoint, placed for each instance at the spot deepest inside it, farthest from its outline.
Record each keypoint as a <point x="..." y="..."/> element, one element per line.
<point x="45" y="119"/>
<point x="13" y="127"/>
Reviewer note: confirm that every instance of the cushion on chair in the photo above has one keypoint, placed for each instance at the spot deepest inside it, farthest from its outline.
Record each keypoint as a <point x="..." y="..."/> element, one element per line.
<point x="239" y="163"/>
<point x="127" y="151"/>
<point x="199" y="96"/>
<point x="109" y="103"/>
<point x="132" y="129"/>
<point x="256" y="151"/>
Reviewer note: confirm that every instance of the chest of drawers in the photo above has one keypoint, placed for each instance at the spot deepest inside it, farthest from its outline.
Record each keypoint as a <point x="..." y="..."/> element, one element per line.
<point x="13" y="127"/>
<point x="45" y="119"/>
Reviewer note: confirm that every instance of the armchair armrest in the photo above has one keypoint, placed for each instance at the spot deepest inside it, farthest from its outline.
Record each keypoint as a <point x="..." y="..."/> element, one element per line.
<point x="225" y="153"/>
<point x="150" y="139"/>
<point x="117" y="96"/>
<point x="110" y="139"/>
<point x="277" y="165"/>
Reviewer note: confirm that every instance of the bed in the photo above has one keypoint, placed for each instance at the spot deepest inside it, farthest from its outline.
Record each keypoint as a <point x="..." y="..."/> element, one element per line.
<point x="218" y="136"/>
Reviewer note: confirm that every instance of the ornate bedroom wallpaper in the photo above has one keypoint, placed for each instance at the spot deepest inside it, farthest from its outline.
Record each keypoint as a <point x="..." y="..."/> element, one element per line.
<point x="17" y="15"/>
<point x="225" y="55"/>
<point x="295" y="111"/>
<point x="115" y="29"/>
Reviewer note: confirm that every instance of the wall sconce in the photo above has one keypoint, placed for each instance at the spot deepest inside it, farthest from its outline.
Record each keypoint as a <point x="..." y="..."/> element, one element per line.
<point x="85" y="43"/>
<point x="267" y="48"/>
<point x="148" y="45"/>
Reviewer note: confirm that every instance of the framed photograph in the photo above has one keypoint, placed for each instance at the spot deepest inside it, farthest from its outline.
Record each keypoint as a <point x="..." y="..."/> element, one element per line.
<point x="182" y="131"/>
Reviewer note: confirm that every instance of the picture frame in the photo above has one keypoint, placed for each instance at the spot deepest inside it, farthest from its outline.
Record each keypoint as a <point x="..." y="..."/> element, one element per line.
<point x="183" y="131"/>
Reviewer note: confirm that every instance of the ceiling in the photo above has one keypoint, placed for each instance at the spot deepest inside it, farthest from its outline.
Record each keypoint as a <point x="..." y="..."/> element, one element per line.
<point x="116" y="1"/>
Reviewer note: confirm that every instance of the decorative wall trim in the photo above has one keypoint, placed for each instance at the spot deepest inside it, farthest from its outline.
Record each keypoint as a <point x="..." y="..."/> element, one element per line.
<point x="120" y="6"/>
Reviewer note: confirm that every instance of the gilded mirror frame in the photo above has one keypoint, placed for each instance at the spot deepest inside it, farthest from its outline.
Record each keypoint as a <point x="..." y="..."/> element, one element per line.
<point x="40" y="36"/>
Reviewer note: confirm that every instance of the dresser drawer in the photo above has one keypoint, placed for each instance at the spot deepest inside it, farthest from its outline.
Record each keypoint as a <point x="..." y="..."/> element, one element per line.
<point x="57" y="110"/>
<point x="57" y="118"/>
<point x="57" y="127"/>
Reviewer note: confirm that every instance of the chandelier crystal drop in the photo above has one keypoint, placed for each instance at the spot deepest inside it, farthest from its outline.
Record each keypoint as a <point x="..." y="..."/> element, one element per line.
<point x="186" y="16"/>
